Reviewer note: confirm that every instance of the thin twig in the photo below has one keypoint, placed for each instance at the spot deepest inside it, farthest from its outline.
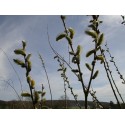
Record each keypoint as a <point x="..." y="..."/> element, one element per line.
<point x="13" y="68"/>
<point x="65" y="79"/>
<point x="43" y="64"/>
<point x="108" y="76"/>
<point x="8" y="82"/>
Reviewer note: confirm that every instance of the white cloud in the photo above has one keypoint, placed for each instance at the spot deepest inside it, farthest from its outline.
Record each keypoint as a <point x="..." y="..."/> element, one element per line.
<point x="111" y="20"/>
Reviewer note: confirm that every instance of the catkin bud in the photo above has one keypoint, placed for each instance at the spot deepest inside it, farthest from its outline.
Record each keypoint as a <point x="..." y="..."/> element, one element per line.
<point x="100" y="39"/>
<point x="95" y="75"/>
<point x="32" y="84"/>
<point x="60" y="36"/>
<point x="88" y="66"/>
<point x="93" y="34"/>
<point x="28" y="57"/>
<point x="79" y="49"/>
<point x="69" y="40"/>
<point x="36" y="96"/>
<point x="20" y="52"/>
<point x="19" y="62"/>
<point x="29" y="66"/>
<point x="72" y="32"/>
<point x="28" y="79"/>
<point x="25" y="94"/>
<point x="24" y="44"/>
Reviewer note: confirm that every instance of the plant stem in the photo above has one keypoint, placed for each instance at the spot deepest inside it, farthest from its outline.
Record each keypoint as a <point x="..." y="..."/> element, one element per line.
<point x="110" y="81"/>
<point x="27" y="73"/>
<point x="43" y="64"/>
<point x="13" y="69"/>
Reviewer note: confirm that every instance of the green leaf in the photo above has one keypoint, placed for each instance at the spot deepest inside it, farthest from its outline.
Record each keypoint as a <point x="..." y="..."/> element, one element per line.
<point x="19" y="62"/>
<point x="28" y="57"/>
<point x="25" y="94"/>
<point x="88" y="66"/>
<point x="100" y="39"/>
<point x="90" y="52"/>
<point x="69" y="40"/>
<point x="92" y="26"/>
<point x="60" y="36"/>
<point x="72" y="32"/>
<point x="93" y="34"/>
<point x="20" y="52"/>
<point x="96" y="74"/>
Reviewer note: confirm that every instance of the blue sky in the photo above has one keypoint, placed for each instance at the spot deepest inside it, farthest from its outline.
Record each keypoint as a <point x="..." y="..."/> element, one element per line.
<point x="33" y="29"/>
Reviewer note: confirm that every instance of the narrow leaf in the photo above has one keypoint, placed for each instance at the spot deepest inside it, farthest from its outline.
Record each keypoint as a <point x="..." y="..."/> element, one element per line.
<point x="20" y="52"/>
<point x="100" y="40"/>
<point x="96" y="74"/>
<point x="19" y="62"/>
<point x="60" y="36"/>
<point x="90" y="52"/>
<point x="28" y="57"/>
<point x="71" y="53"/>
<point x="93" y="34"/>
<point x="88" y="66"/>
<point x="69" y="40"/>
<point x="92" y="26"/>
<point x="59" y="69"/>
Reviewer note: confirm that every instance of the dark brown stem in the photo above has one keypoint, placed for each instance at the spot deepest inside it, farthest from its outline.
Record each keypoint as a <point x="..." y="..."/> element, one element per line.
<point x="65" y="79"/>
<point x="78" y="65"/>
<point x="110" y="79"/>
